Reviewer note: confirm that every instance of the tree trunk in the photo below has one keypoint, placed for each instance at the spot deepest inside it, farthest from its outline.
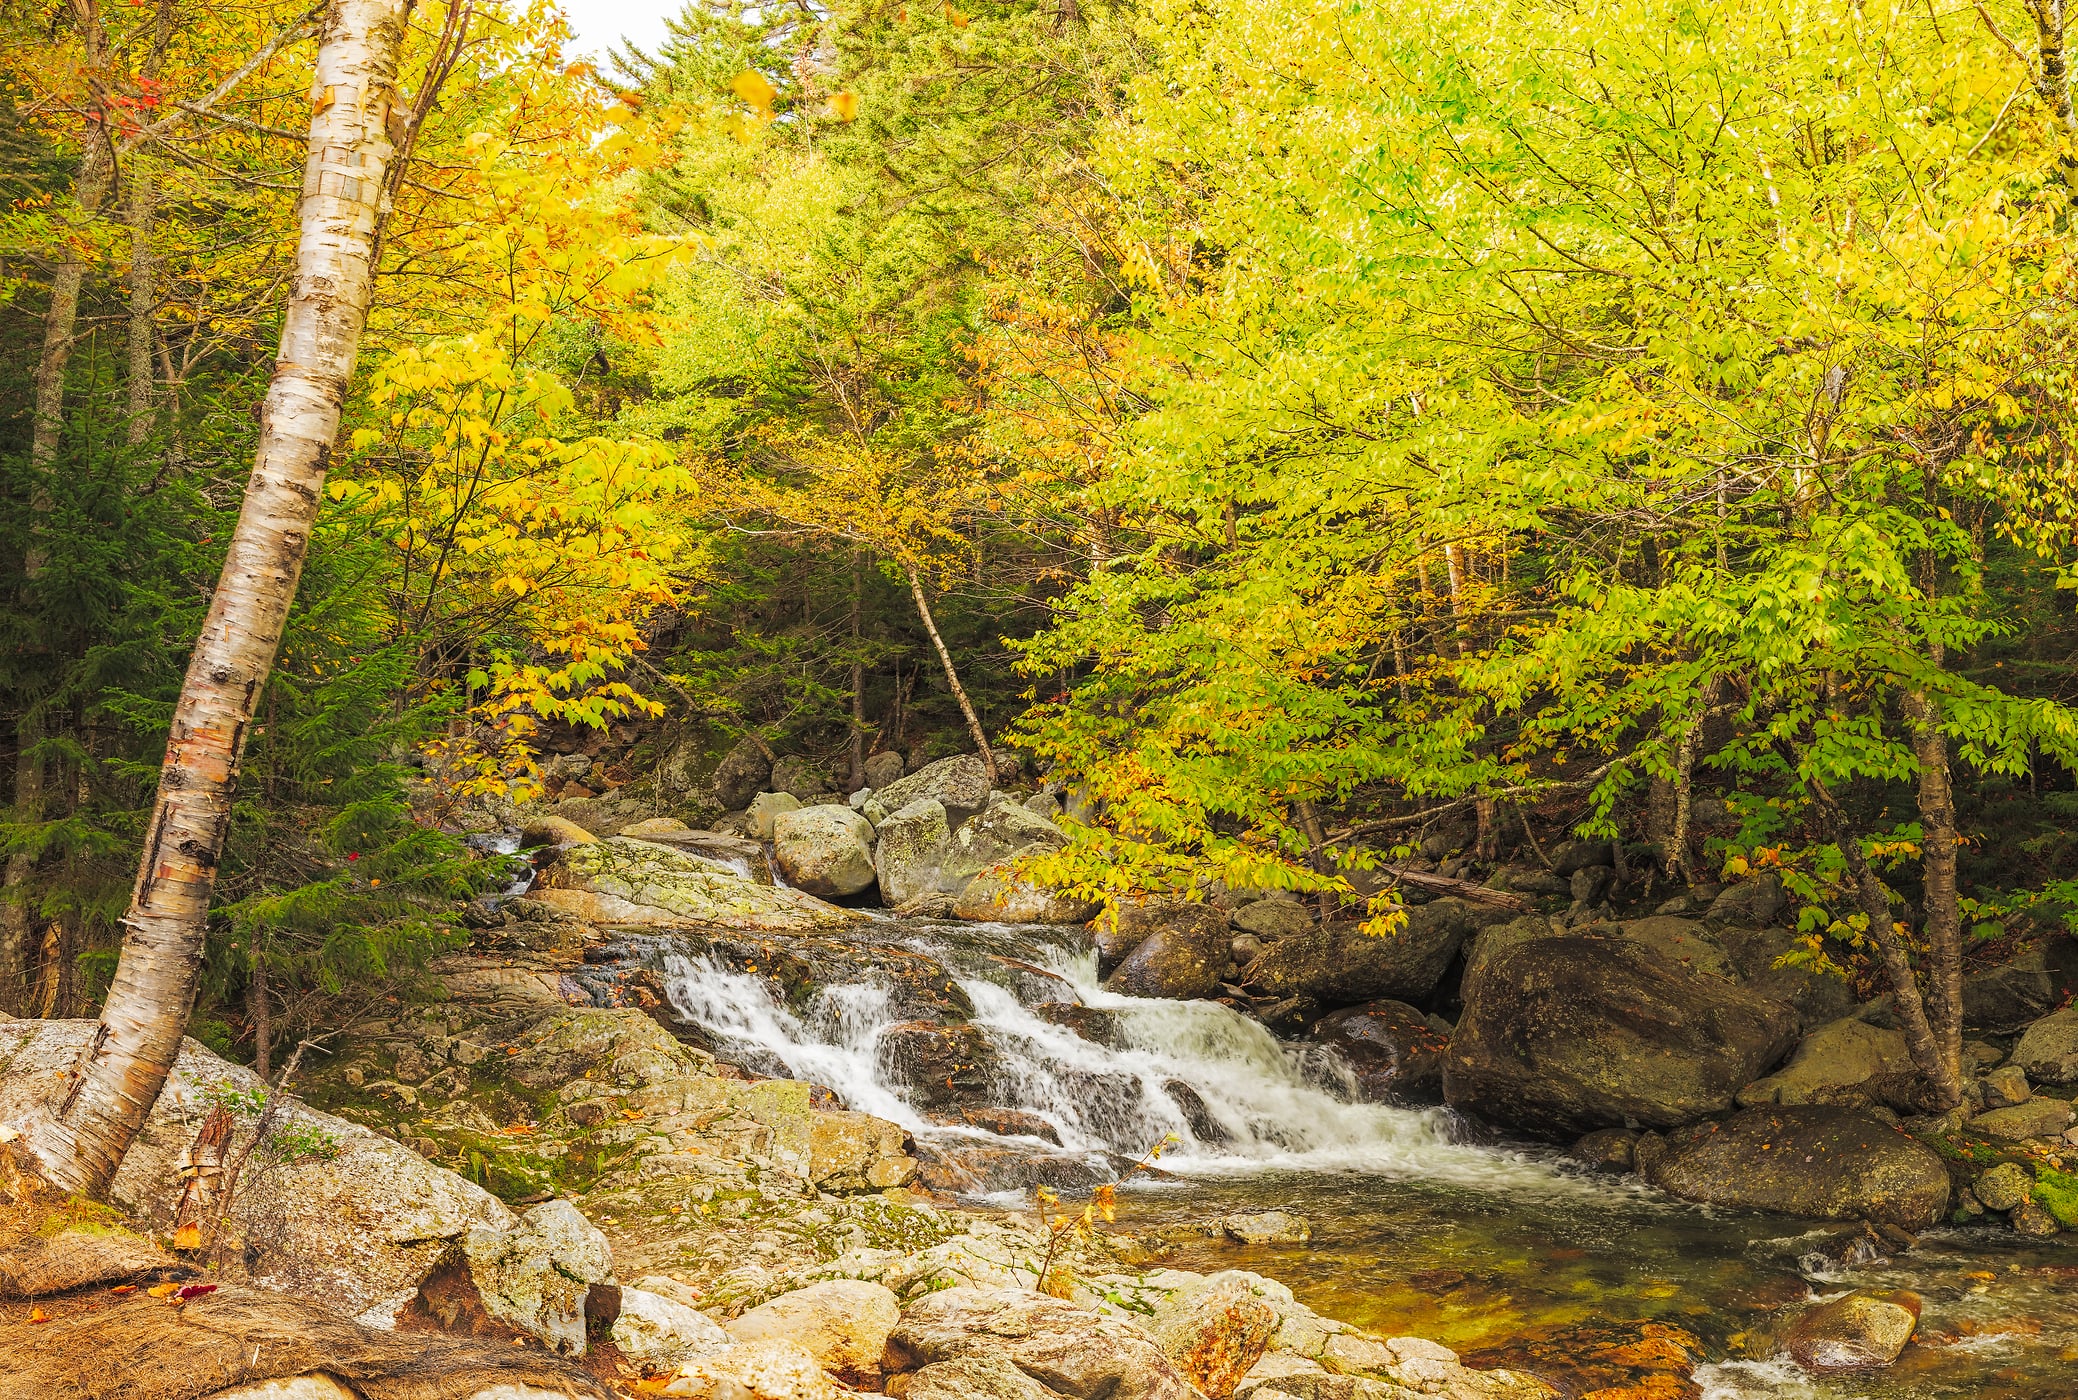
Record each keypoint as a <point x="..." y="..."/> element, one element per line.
<point x="80" y="1139"/>
<point x="858" y="687"/>
<point x="1944" y="922"/>
<point x="144" y="303"/>
<point x="256" y="999"/>
<point x="952" y="677"/>
<point x="1678" y="864"/>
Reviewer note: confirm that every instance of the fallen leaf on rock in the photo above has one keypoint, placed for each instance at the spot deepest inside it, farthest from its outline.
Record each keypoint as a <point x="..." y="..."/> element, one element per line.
<point x="123" y="1290"/>
<point x="163" y="1290"/>
<point x="37" y="1315"/>
<point x="188" y="1236"/>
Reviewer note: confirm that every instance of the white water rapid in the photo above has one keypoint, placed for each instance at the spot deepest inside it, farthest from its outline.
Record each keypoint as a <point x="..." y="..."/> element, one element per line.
<point x="1265" y="1105"/>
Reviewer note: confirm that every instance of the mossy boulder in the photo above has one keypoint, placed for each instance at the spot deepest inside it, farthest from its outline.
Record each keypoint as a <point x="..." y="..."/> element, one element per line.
<point x="1342" y="965"/>
<point x="1812" y="1160"/>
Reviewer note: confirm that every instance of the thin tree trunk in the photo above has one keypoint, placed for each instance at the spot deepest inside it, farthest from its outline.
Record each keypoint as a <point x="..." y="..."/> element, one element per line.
<point x="1944" y="924"/>
<point x="144" y="303"/>
<point x="858" y="686"/>
<point x="1677" y="861"/>
<point x="256" y="998"/>
<point x="952" y="677"/>
<point x="79" y="1140"/>
<point x="1940" y="1071"/>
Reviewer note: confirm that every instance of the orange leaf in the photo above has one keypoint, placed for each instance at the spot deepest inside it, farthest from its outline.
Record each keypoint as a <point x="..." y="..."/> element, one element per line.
<point x="38" y="1315"/>
<point x="188" y="1236"/>
<point x="164" y="1290"/>
<point x="123" y="1290"/>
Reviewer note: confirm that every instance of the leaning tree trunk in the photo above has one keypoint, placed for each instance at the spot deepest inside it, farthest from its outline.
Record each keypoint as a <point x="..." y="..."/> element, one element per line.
<point x="952" y="677"/>
<point x="79" y="1140"/>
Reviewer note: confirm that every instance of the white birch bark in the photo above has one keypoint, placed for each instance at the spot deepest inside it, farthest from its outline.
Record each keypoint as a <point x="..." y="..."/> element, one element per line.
<point x="79" y="1140"/>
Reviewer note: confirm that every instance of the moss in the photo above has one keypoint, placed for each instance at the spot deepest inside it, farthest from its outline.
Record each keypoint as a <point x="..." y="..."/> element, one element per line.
<point x="2057" y="1193"/>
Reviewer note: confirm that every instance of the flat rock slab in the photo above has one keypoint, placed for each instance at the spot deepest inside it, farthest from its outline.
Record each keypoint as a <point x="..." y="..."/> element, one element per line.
<point x="1810" y="1160"/>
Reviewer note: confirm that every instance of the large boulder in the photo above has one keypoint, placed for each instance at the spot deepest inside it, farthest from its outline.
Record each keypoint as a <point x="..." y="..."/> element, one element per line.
<point x="660" y="1332"/>
<point x="1756" y="903"/>
<point x="1215" y="1333"/>
<point x="629" y="881"/>
<point x="1342" y="965"/>
<point x="2048" y="1049"/>
<point x="959" y="784"/>
<point x="1811" y="1160"/>
<point x="1068" y="1349"/>
<point x="1271" y="919"/>
<point x="538" y="1279"/>
<point x="1832" y="1060"/>
<point x="741" y="775"/>
<point x="844" y="1324"/>
<point x="1563" y="1035"/>
<point x="1133" y="922"/>
<point x="827" y="851"/>
<point x="1181" y="961"/>
<point x="882" y="769"/>
<point x="910" y="850"/>
<point x="1819" y="997"/>
<point x="939" y="1066"/>
<point x="766" y="809"/>
<point x="2005" y="999"/>
<point x="1000" y="895"/>
<point x="1683" y="942"/>
<point x="355" y="1218"/>
<point x="1000" y="834"/>
<point x="1394" y="1055"/>
<point x="798" y="777"/>
<point x="1493" y="940"/>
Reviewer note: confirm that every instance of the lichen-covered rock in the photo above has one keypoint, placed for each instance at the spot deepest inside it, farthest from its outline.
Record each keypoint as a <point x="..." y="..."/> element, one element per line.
<point x="1848" y="1053"/>
<point x="883" y="769"/>
<point x="537" y="1277"/>
<point x="826" y="851"/>
<point x="1859" y="1332"/>
<point x="911" y="847"/>
<point x="635" y="882"/>
<point x="843" y="1323"/>
<point x="1000" y="895"/>
<point x="554" y="831"/>
<point x="1341" y="965"/>
<point x="2036" y="1118"/>
<point x="660" y="1333"/>
<point x="1684" y="942"/>
<point x="960" y="784"/>
<point x="773" y="1369"/>
<point x="797" y="777"/>
<point x="1811" y="1160"/>
<point x="1000" y="834"/>
<point x="2004" y="1187"/>
<point x="1215" y="1333"/>
<point x="1133" y="922"/>
<point x="353" y="1217"/>
<point x="974" y="1378"/>
<point x="741" y="775"/>
<point x="1273" y="918"/>
<point x="1069" y="1349"/>
<point x="1563" y="1035"/>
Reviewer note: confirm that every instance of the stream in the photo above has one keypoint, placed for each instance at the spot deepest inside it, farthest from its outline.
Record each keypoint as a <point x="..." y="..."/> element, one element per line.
<point x="1421" y="1224"/>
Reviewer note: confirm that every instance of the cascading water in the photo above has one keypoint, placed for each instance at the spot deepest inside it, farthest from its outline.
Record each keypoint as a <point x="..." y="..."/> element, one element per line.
<point x="1226" y="1093"/>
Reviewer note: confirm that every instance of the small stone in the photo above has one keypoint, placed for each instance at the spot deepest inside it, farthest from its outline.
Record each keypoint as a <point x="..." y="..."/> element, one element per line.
<point x="2030" y="1218"/>
<point x="1606" y="1149"/>
<point x="1267" y="1227"/>
<point x="2003" y="1088"/>
<point x="2004" y="1187"/>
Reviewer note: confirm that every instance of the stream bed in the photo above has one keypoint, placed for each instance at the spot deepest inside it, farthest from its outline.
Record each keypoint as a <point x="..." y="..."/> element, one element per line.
<point x="1421" y="1225"/>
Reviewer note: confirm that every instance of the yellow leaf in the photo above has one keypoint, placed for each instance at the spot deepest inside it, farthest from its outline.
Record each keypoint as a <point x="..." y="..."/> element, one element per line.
<point x="188" y="1236"/>
<point x="844" y="106"/>
<point x="755" y="89"/>
<point x="164" y="1290"/>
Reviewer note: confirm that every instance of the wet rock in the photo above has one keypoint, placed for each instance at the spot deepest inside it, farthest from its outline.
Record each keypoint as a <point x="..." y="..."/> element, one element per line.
<point x="1266" y="1227"/>
<point x="999" y="894"/>
<point x="1000" y="835"/>
<point x="1567" y="857"/>
<point x="1490" y="942"/>
<point x="1135" y="921"/>
<point x="1844" y="1055"/>
<point x="882" y="770"/>
<point x="660" y="1333"/>
<point x="2003" y="1088"/>
<point x="1813" y="1160"/>
<point x="1859" y="1332"/>
<point x="1068" y="1349"/>
<point x="2036" y="1118"/>
<point x="1341" y="965"/>
<point x="2048" y="1049"/>
<point x="1096" y="1026"/>
<point x="911" y="845"/>
<point x="747" y="858"/>
<point x="1215" y="1333"/>
<point x="1005" y="1122"/>
<point x="1181" y="961"/>
<point x="766" y="809"/>
<point x="826" y="851"/>
<point x="967" y="1170"/>
<point x="741" y="775"/>
<point x="1606" y="1149"/>
<point x="960" y="784"/>
<point x="2004" y="1187"/>
<point x="2032" y="1218"/>
<point x="843" y="1323"/>
<point x="1393" y="1053"/>
<point x="939" y="1066"/>
<point x="1756" y="903"/>
<point x="1619" y="1360"/>
<point x="1563" y="1035"/>
<point x="1196" y="1115"/>
<point x="1271" y="919"/>
<point x="537" y="1279"/>
<point x="634" y="882"/>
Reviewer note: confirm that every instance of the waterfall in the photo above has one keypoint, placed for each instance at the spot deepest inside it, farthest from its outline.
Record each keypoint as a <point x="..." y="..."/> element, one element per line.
<point x="1229" y="1094"/>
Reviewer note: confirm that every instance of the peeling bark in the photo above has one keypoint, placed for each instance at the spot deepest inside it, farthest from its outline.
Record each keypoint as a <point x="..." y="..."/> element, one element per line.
<point x="79" y="1140"/>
